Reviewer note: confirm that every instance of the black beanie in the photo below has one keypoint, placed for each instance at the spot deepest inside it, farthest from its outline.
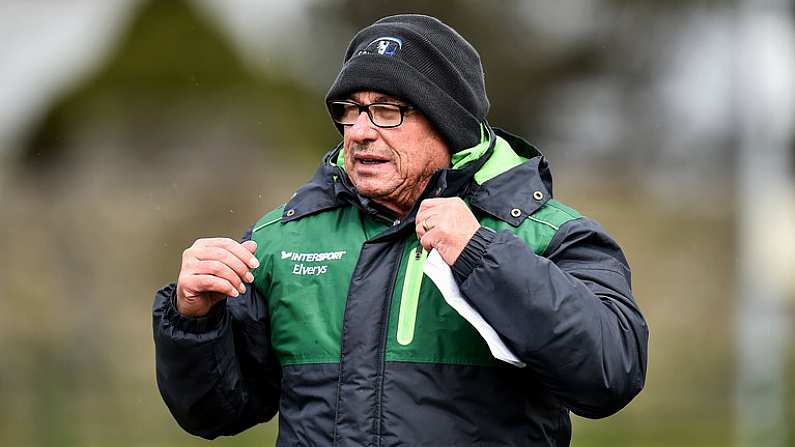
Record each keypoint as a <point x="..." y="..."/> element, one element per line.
<point x="425" y="62"/>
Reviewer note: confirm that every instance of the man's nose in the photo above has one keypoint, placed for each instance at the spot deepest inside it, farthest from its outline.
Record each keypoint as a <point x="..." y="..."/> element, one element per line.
<point x="362" y="129"/>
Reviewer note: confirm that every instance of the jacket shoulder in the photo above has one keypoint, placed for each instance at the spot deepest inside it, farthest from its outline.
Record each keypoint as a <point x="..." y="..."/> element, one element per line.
<point x="267" y="220"/>
<point x="554" y="214"/>
<point x="265" y="232"/>
<point x="541" y="226"/>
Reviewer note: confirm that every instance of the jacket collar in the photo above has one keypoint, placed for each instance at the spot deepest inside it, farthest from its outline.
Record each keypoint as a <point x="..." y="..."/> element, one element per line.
<point x="513" y="194"/>
<point x="520" y="188"/>
<point x="320" y="193"/>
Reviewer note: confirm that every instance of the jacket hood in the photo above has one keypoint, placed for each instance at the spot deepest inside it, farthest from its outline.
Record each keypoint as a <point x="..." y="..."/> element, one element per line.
<point x="503" y="176"/>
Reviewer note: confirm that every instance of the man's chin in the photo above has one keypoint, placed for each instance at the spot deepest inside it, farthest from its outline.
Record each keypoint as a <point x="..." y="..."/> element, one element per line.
<point x="387" y="197"/>
<point x="373" y="193"/>
<point x="374" y="190"/>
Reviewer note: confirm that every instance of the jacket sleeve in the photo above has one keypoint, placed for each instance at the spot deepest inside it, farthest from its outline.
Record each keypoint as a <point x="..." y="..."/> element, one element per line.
<point x="217" y="374"/>
<point x="569" y="314"/>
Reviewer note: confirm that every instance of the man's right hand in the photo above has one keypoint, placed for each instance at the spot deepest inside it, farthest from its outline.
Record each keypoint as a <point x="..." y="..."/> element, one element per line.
<point x="213" y="269"/>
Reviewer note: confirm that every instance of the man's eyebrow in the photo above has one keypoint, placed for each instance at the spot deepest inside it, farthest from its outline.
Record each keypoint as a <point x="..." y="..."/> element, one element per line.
<point x="385" y="98"/>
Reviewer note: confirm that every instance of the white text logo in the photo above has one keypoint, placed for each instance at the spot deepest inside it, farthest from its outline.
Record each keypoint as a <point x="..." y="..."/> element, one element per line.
<point x="311" y="270"/>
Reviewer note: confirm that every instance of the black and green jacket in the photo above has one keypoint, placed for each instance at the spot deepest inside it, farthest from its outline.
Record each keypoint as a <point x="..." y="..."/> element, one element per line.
<point x="345" y="338"/>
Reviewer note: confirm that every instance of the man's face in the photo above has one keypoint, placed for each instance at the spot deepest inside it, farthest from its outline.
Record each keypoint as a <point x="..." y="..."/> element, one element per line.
<point x="392" y="165"/>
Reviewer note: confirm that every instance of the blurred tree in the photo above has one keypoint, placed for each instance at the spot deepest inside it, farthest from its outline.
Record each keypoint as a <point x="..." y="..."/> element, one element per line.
<point x="175" y="83"/>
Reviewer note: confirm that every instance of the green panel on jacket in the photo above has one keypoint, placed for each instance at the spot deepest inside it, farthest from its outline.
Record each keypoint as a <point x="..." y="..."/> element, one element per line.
<point x="304" y="273"/>
<point x="440" y="335"/>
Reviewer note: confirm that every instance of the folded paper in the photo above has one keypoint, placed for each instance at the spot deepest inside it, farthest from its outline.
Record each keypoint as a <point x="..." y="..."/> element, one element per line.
<point x="442" y="276"/>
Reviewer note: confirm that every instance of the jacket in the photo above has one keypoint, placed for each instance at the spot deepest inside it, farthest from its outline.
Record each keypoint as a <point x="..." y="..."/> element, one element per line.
<point x="343" y="335"/>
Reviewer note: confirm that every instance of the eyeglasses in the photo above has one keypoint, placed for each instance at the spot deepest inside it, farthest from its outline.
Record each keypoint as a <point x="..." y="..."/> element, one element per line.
<point x="381" y="114"/>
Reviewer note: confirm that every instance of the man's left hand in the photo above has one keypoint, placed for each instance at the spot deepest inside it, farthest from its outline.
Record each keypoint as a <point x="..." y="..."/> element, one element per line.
<point x="447" y="225"/>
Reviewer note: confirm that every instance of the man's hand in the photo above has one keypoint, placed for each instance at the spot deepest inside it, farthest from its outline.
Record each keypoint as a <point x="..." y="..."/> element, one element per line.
<point x="213" y="269"/>
<point x="447" y="225"/>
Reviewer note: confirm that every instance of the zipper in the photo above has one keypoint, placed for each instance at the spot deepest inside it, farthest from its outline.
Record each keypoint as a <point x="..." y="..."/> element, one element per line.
<point x="382" y="350"/>
<point x="410" y="296"/>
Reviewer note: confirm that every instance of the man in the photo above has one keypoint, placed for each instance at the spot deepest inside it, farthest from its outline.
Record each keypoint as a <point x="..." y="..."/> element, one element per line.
<point x="323" y="314"/>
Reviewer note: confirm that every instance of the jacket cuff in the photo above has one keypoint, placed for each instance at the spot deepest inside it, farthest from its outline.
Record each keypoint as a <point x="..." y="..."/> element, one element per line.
<point x="472" y="256"/>
<point x="194" y="325"/>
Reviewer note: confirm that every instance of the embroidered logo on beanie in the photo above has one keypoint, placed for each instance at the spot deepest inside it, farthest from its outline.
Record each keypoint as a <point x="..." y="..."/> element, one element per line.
<point x="388" y="46"/>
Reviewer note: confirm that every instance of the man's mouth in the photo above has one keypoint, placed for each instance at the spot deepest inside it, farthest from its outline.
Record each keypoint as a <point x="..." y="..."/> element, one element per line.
<point x="370" y="159"/>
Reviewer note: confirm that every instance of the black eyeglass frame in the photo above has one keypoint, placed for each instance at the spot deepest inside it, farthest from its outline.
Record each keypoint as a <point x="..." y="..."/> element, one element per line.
<point x="366" y="108"/>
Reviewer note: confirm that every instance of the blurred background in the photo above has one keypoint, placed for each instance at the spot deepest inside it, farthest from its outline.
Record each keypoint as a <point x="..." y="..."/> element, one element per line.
<point x="129" y="128"/>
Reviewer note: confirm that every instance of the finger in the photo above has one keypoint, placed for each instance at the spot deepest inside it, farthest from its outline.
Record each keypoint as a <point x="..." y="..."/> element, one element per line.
<point x="236" y="249"/>
<point x="435" y="219"/>
<point x="429" y="204"/>
<point x="418" y="223"/>
<point x="212" y="241"/>
<point x="210" y="283"/>
<point x="251" y="246"/>
<point x="426" y="213"/>
<point x="428" y="240"/>
<point x="419" y="229"/>
<point x="226" y="257"/>
<point x="422" y="223"/>
<point x="221" y="270"/>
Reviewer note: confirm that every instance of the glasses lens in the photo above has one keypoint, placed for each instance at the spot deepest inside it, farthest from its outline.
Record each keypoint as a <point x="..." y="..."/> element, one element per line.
<point x="343" y="112"/>
<point x="385" y="115"/>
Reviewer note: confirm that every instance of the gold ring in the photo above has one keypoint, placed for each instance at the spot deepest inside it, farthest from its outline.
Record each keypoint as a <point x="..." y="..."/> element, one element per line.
<point x="425" y="225"/>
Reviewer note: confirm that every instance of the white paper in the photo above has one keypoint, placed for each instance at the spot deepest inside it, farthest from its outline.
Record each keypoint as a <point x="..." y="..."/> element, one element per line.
<point x="442" y="276"/>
